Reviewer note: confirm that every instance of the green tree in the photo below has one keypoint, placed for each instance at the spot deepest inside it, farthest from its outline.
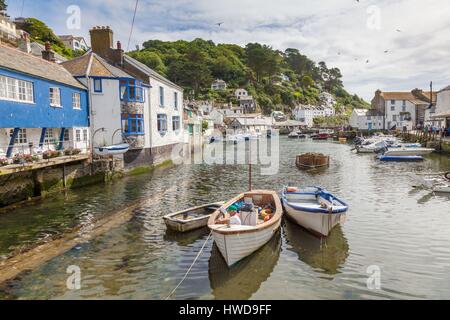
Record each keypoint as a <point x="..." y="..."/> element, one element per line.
<point x="3" y="5"/>
<point x="150" y="59"/>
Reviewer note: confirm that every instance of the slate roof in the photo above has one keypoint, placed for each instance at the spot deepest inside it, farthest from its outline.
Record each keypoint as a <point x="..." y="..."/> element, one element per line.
<point x="92" y="65"/>
<point x="19" y="61"/>
<point x="150" y="72"/>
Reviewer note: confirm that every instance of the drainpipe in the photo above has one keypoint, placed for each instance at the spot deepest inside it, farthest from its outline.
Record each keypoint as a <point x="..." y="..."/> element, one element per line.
<point x="61" y="138"/>
<point x="42" y="139"/>
<point x="11" y="142"/>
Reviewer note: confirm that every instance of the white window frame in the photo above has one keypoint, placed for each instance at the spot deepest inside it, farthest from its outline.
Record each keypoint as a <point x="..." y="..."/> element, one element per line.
<point x="49" y="137"/>
<point x="77" y="135"/>
<point x="161" y="96"/>
<point x="55" y="97"/>
<point x="21" y="138"/>
<point x="85" y="135"/>
<point x="17" y="90"/>
<point x="76" y="101"/>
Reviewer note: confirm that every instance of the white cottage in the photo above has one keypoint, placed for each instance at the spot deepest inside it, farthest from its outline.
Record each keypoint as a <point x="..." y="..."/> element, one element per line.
<point x="364" y="119"/>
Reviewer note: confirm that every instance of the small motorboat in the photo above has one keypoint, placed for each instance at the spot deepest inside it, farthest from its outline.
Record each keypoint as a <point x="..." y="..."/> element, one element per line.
<point x="191" y="219"/>
<point x="388" y="158"/>
<point x="235" y="242"/>
<point x="115" y="149"/>
<point x="436" y="182"/>
<point x="235" y="138"/>
<point x="314" y="209"/>
<point x="408" y="151"/>
<point x="296" y="135"/>
<point x="312" y="160"/>
<point x="321" y="136"/>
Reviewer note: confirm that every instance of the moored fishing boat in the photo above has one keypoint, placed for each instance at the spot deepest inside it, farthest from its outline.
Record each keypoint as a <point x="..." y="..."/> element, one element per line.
<point x="112" y="150"/>
<point x="236" y="242"/>
<point x="191" y="219"/>
<point x="314" y="208"/>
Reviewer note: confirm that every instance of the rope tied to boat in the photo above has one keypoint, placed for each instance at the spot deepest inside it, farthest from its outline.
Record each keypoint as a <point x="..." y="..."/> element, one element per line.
<point x="190" y="268"/>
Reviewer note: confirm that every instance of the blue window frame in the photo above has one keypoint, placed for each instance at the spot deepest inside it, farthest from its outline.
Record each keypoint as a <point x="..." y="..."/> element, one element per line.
<point x="98" y="86"/>
<point x="132" y="124"/>
<point x="175" y="123"/>
<point x="161" y="96"/>
<point x="162" y="123"/>
<point x="131" y="90"/>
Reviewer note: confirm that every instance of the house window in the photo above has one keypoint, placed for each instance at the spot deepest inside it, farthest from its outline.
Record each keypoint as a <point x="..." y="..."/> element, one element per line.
<point x="16" y="90"/>
<point x="133" y="124"/>
<point x="404" y="102"/>
<point x="393" y="108"/>
<point x="175" y="100"/>
<point x="176" y="123"/>
<point x="392" y="101"/>
<point x="394" y="117"/>
<point x="404" y="108"/>
<point x="55" y="97"/>
<point x="78" y="135"/>
<point x="49" y="136"/>
<point x="76" y="101"/>
<point x="162" y="123"/>
<point x="98" y="87"/>
<point x="21" y="136"/>
<point x="131" y="90"/>
<point x="85" y="135"/>
<point x="161" y="96"/>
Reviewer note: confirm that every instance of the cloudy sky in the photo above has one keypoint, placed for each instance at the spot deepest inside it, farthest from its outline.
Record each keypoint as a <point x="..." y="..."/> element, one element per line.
<point x="348" y="34"/>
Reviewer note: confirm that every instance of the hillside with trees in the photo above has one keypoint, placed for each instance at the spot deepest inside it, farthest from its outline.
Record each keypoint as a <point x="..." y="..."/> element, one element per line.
<point x="41" y="33"/>
<point x="278" y="80"/>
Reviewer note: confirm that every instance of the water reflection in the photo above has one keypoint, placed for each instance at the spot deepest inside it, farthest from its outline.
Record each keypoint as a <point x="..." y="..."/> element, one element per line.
<point x="241" y="281"/>
<point x="326" y="254"/>
<point x="185" y="239"/>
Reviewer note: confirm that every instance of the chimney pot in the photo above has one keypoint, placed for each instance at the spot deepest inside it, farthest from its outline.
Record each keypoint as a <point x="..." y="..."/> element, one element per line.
<point x="119" y="45"/>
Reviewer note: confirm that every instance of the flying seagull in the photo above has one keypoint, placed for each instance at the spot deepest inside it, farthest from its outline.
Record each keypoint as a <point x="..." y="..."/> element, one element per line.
<point x="398" y="30"/>
<point x="386" y="51"/>
<point x="367" y="61"/>
<point x="220" y="24"/>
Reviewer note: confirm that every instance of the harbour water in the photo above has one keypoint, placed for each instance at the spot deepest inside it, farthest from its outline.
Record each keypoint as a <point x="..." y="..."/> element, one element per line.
<point x="390" y="225"/>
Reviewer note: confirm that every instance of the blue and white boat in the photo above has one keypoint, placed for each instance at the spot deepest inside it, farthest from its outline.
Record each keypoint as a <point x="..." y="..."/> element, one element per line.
<point x="314" y="208"/>
<point x="388" y="158"/>
<point x="112" y="150"/>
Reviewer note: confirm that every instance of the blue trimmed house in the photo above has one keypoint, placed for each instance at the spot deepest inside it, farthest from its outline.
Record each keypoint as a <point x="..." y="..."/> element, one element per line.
<point x="118" y="101"/>
<point x="42" y="106"/>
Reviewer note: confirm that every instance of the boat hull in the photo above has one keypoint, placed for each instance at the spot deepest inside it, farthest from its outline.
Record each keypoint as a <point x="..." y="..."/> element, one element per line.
<point x="402" y="158"/>
<point x="183" y="226"/>
<point x="317" y="223"/>
<point x="235" y="247"/>
<point x="408" y="152"/>
<point x="235" y="242"/>
<point x="112" y="150"/>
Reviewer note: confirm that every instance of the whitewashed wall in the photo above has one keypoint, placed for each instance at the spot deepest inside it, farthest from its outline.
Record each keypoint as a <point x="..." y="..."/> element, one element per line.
<point x="153" y="137"/>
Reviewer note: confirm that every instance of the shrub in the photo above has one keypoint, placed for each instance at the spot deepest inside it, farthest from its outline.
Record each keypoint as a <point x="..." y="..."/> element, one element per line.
<point x="72" y="151"/>
<point x="3" y="162"/>
<point x="50" y="154"/>
<point x="24" y="158"/>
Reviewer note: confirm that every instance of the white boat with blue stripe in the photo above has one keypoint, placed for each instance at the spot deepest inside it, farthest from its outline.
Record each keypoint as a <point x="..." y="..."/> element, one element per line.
<point x="112" y="150"/>
<point x="314" y="208"/>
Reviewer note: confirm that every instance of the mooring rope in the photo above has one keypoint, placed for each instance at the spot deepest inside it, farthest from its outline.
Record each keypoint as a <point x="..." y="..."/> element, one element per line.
<point x="190" y="268"/>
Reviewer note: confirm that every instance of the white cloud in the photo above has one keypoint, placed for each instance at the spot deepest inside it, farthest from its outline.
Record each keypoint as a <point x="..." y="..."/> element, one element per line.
<point x="321" y="30"/>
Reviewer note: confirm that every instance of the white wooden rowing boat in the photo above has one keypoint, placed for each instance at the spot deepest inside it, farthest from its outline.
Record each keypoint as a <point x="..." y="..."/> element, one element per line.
<point x="191" y="219"/>
<point x="314" y="208"/>
<point x="236" y="242"/>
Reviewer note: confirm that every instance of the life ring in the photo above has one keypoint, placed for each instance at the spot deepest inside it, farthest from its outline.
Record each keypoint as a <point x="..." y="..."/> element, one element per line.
<point x="447" y="175"/>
